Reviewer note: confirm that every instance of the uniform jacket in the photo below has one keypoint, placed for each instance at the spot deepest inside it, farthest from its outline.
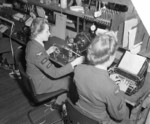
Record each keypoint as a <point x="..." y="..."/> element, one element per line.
<point x="44" y="74"/>
<point x="99" y="96"/>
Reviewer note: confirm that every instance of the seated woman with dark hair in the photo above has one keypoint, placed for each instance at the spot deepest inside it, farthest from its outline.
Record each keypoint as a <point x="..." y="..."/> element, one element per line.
<point x="99" y="96"/>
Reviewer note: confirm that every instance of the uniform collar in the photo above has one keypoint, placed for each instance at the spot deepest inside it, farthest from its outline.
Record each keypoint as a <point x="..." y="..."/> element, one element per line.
<point x="101" y="67"/>
<point x="42" y="44"/>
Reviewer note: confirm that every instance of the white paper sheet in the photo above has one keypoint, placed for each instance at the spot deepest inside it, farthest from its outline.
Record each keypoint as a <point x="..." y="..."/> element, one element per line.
<point x="132" y="35"/>
<point x="129" y="24"/>
<point x="59" y="30"/>
<point x="131" y="62"/>
<point x="40" y="12"/>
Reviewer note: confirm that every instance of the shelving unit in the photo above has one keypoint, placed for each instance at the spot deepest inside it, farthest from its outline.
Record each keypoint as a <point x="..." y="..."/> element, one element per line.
<point x="111" y="20"/>
<point x="86" y="16"/>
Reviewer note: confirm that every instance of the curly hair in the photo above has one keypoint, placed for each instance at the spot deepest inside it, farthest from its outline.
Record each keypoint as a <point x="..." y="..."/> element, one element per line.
<point x="37" y="26"/>
<point x="102" y="48"/>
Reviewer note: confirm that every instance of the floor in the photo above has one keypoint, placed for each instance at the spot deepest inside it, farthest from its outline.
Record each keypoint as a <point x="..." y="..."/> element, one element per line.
<point x="14" y="106"/>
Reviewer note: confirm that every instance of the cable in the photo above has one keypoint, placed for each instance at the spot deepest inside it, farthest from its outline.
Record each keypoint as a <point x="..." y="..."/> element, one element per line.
<point x="11" y="31"/>
<point x="11" y="45"/>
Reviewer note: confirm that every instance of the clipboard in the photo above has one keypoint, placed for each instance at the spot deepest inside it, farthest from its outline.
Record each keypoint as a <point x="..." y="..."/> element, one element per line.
<point x="3" y="28"/>
<point x="59" y="29"/>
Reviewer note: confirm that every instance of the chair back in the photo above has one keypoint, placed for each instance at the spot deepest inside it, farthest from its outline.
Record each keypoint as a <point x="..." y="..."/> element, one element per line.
<point x="76" y="116"/>
<point x="27" y="83"/>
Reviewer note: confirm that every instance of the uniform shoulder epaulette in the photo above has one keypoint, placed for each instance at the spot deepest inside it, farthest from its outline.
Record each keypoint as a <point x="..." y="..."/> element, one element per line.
<point x="44" y="60"/>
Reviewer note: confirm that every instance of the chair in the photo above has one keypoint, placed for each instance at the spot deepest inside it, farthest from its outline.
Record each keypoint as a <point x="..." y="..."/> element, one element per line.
<point x="28" y="89"/>
<point x="76" y="116"/>
<point x="27" y="83"/>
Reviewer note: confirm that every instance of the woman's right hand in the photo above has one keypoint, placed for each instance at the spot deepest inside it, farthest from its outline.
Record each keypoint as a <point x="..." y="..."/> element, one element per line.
<point x="123" y="85"/>
<point x="51" y="49"/>
<point x="77" y="61"/>
<point x="115" y="77"/>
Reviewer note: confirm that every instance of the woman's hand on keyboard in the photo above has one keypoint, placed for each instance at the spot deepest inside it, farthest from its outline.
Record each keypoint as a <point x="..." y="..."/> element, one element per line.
<point x="123" y="85"/>
<point x="115" y="77"/>
<point x="52" y="49"/>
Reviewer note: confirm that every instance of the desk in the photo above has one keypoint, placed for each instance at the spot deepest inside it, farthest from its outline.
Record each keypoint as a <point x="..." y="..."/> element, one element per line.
<point x="135" y="97"/>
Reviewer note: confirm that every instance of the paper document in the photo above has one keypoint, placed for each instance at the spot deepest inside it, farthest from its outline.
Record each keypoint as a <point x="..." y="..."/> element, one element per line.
<point x="29" y="22"/>
<point x="3" y="28"/>
<point x="132" y="36"/>
<point x="40" y="12"/>
<point x="129" y="24"/>
<point x="59" y="30"/>
<point x="131" y="62"/>
<point x="18" y="16"/>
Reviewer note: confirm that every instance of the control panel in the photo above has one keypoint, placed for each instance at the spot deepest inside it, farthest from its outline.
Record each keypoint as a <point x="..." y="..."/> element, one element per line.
<point x="65" y="53"/>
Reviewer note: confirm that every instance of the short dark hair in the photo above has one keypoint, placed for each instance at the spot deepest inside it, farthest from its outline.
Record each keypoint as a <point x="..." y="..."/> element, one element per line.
<point x="102" y="47"/>
<point x="37" y="26"/>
